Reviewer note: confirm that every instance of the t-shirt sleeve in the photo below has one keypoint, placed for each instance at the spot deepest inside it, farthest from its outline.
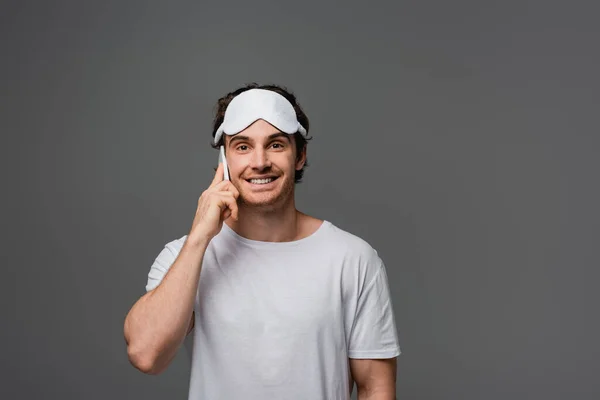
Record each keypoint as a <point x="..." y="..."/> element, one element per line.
<point x="374" y="333"/>
<point x="163" y="262"/>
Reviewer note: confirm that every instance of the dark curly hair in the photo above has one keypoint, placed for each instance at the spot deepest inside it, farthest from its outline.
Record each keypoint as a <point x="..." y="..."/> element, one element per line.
<point x="301" y="142"/>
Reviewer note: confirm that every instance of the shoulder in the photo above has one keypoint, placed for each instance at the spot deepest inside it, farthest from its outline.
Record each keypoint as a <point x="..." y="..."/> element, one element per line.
<point x="169" y="253"/>
<point x="175" y="246"/>
<point x="350" y="243"/>
<point x="359" y="258"/>
<point x="163" y="262"/>
<point x="360" y="261"/>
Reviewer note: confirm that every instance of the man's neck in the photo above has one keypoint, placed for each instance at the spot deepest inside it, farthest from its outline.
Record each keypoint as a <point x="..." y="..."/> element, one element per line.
<point x="275" y="225"/>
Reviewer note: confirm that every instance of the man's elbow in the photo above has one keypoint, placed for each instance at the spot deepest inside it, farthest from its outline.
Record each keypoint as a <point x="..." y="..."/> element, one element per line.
<point x="144" y="361"/>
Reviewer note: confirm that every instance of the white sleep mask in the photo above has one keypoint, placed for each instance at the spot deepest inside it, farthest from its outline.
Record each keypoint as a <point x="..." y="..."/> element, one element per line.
<point x="254" y="104"/>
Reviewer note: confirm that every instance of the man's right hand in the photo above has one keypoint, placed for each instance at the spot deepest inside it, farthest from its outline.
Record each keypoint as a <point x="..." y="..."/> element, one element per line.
<point x="215" y="205"/>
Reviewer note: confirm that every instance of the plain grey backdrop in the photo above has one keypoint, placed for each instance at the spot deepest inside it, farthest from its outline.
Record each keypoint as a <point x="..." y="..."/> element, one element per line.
<point x="459" y="138"/>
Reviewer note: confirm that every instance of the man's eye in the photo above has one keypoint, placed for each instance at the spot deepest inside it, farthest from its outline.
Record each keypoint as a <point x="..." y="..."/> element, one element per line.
<point x="277" y="145"/>
<point x="243" y="147"/>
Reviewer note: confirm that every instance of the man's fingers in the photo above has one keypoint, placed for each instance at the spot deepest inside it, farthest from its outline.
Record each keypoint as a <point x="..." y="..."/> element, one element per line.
<point x="227" y="186"/>
<point x="227" y="203"/>
<point x="219" y="175"/>
<point x="226" y="214"/>
<point x="232" y="206"/>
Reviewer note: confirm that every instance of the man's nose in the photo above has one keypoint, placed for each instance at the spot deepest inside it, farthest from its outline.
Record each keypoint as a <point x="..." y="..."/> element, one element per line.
<point x="260" y="159"/>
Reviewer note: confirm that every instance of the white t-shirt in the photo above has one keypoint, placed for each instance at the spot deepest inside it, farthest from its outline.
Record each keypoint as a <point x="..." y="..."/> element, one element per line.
<point x="280" y="320"/>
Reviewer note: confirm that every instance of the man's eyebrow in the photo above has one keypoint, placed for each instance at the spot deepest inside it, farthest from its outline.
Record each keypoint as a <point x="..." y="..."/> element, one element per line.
<point x="238" y="137"/>
<point x="272" y="136"/>
<point x="278" y="135"/>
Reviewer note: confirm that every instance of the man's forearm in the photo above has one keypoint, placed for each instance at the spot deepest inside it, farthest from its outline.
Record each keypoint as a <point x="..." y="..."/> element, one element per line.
<point x="158" y="323"/>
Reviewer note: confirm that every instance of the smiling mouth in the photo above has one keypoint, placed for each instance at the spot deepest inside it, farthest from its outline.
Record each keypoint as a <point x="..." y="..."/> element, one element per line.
<point x="263" y="181"/>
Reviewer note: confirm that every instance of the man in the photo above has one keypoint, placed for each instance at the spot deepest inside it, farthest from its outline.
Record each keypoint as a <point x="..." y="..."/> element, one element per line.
<point x="282" y="305"/>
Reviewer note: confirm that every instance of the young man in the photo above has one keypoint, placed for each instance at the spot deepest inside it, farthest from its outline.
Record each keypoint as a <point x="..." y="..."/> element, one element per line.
<point x="282" y="305"/>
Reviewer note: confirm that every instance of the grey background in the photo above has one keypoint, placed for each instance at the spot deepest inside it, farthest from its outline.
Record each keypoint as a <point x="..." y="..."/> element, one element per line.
<point x="459" y="138"/>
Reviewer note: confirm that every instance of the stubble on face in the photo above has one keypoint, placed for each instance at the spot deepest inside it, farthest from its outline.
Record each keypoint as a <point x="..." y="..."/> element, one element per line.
<point x="268" y="201"/>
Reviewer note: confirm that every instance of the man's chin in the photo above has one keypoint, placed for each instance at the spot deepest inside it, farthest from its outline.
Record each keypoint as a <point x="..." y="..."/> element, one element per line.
<point x="264" y="201"/>
<point x="258" y="202"/>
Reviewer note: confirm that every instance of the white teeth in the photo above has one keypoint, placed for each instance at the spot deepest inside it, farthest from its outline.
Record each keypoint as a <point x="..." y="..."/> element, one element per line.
<point x="261" y="181"/>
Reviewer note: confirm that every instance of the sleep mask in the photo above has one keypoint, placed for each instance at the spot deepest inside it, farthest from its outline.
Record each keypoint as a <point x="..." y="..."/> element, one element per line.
<point x="254" y="104"/>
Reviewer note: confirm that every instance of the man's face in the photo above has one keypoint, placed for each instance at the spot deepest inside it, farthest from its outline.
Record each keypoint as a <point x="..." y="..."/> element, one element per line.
<point x="262" y="163"/>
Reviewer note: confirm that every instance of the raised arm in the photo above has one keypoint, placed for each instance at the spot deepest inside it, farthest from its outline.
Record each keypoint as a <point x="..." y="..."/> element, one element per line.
<point x="159" y="321"/>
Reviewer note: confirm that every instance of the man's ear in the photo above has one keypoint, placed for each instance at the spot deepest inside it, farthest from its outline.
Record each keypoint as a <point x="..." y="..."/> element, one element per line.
<point x="301" y="158"/>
